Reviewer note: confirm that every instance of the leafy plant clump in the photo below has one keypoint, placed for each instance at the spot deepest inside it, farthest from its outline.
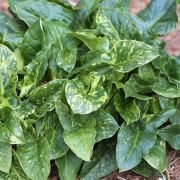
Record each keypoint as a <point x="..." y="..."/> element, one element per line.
<point x="90" y="88"/>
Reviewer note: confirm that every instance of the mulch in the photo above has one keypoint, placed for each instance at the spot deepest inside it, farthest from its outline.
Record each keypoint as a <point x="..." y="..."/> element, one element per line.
<point x="173" y="47"/>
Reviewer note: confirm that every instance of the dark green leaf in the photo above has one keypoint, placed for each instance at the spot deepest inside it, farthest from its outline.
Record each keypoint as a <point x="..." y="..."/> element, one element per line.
<point x="31" y="10"/>
<point x="132" y="145"/>
<point x="129" y="153"/>
<point x="44" y="97"/>
<point x="127" y="109"/>
<point x="133" y="88"/>
<point x="34" y="72"/>
<point x="6" y="157"/>
<point x="103" y="162"/>
<point x="106" y="125"/>
<point x="157" y="156"/>
<point x="32" y="42"/>
<point x="16" y="172"/>
<point x="164" y="88"/>
<point x="11" y="32"/>
<point x="53" y="131"/>
<point x="171" y="134"/>
<point x="144" y="169"/>
<point x="160" y="15"/>
<point x="10" y="127"/>
<point x="68" y="166"/>
<point x="160" y="118"/>
<point x="34" y="157"/>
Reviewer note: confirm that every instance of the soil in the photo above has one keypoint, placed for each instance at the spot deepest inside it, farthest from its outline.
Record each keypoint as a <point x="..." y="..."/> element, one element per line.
<point x="173" y="47"/>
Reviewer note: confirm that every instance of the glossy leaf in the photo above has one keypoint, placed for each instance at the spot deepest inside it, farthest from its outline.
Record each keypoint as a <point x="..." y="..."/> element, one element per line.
<point x="83" y="99"/>
<point x="161" y="118"/>
<point x="127" y="109"/>
<point x="16" y="172"/>
<point x="129" y="153"/>
<point x="10" y="127"/>
<point x="132" y="145"/>
<point x="34" y="158"/>
<point x="133" y="88"/>
<point x="164" y="88"/>
<point x="32" y="41"/>
<point x="68" y="166"/>
<point x="93" y="42"/>
<point x="144" y="169"/>
<point x="157" y="156"/>
<point x="81" y="138"/>
<point x="124" y="5"/>
<point x="103" y="162"/>
<point x="106" y="125"/>
<point x="11" y="32"/>
<point x="53" y="131"/>
<point x="64" y="47"/>
<point x="34" y="72"/>
<point x="171" y="134"/>
<point x="8" y="73"/>
<point x="44" y="97"/>
<point x="64" y="115"/>
<point x="115" y="20"/>
<point x="132" y="54"/>
<point x="30" y="11"/>
<point x="6" y="157"/>
<point x="160" y="15"/>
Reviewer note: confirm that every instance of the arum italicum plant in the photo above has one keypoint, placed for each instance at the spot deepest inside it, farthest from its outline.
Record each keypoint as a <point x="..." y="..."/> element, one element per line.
<point x="89" y="87"/>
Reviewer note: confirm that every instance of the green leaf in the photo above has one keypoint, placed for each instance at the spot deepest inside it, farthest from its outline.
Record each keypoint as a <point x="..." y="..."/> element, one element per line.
<point x="171" y="134"/>
<point x="11" y="32"/>
<point x="132" y="145"/>
<point x="85" y="95"/>
<point x="16" y="172"/>
<point x="114" y="21"/>
<point x="146" y="74"/>
<point x="6" y="157"/>
<point x="44" y="97"/>
<point x="34" y="72"/>
<point x="132" y="54"/>
<point x="103" y="162"/>
<point x="53" y="131"/>
<point x="127" y="109"/>
<point x="164" y="88"/>
<point x="93" y="42"/>
<point x="175" y="119"/>
<point x="10" y="127"/>
<point x="124" y="5"/>
<point x="144" y="169"/>
<point x="32" y="43"/>
<point x="133" y="88"/>
<point x="20" y="60"/>
<point x="81" y="138"/>
<point x="157" y="156"/>
<point x="160" y="118"/>
<point x="64" y="47"/>
<point x="64" y="115"/>
<point x="34" y="157"/>
<point x="68" y="166"/>
<point x="31" y="10"/>
<point x="160" y="16"/>
<point x="8" y="73"/>
<point x="106" y="125"/>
